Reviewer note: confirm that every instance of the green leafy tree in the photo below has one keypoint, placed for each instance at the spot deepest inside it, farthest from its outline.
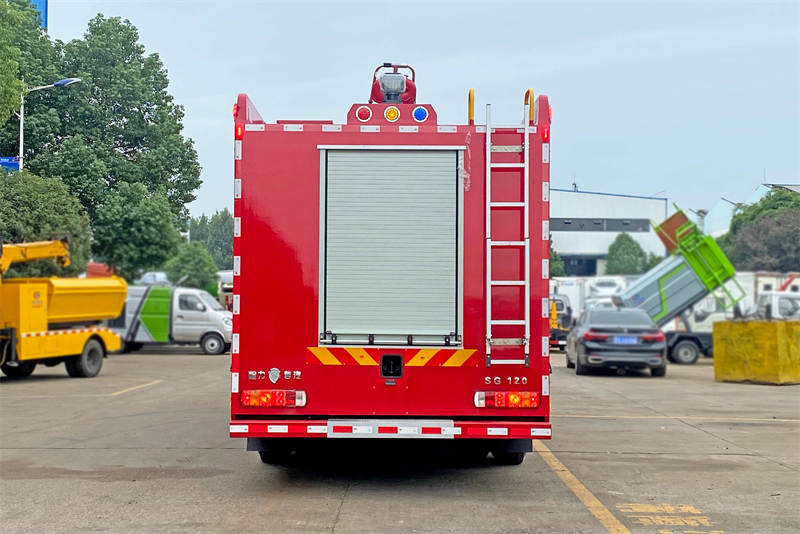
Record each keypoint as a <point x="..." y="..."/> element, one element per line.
<point x="652" y="261"/>
<point x="216" y="235"/>
<point x="37" y="209"/>
<point x="556" y="263"/>
<point x="765" y="235"/>
<point x="194" y="262"/>
<point x="134" y="230"/>
<point x="626" y="256"/>
<point x="11" y="87"/>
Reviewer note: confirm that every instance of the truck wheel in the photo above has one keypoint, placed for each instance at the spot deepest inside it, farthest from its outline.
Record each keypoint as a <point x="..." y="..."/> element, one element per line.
<point x="213" y="344"/>
<point x="570" y="365"/>
<point x="20" y="371"/>
<point x="88" y="363"/>
<point x="659" y="372"/>
<point x="580" y="369"/>
<point x="685" y="352"/>
<point x="509" y="458"/>
<point x="276" y="457"/>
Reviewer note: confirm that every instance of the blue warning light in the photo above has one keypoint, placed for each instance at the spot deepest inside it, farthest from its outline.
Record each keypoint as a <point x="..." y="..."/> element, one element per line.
<point x="420" y="114"/>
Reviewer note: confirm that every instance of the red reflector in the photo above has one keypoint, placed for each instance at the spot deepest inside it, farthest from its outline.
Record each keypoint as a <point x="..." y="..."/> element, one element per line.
<point x="235" y="110"/>
<point x="345" y="429"/>
<point x="387" y="430"/>
<point x="239" y="131"/>
<point x="272" y="397"/>
<point x="511" y="399"/>
<point x="594" y="336"/>
<point x="431" y="430"/>
<point x="545" y="134"/>
<point x="657" y="337"/>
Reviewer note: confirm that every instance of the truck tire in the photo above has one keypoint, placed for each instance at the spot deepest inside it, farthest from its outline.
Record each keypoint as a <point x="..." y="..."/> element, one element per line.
<point x="685" y="352"/>
<point x="212" y="344"/>
<point x="509" y="458"/>
<point x="659" y="372"/>
<point x="89" y="362"/>
<point x="20" y="371"/>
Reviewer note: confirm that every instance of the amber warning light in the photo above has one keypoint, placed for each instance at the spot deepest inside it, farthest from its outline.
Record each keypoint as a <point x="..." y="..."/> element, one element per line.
<point x="506" y="399"/>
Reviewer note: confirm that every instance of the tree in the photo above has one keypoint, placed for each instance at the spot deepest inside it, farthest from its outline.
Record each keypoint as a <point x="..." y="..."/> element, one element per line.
<point x="216" y="235"/>
<point x="556" y="263"/>
<point x="35" y="209"/>
<point x="652" y="261"/>
<point x="194" y="262"/>
<point x="625" y="256"/>
<point x="11" y="86"/>
<point x="134" y="230"/>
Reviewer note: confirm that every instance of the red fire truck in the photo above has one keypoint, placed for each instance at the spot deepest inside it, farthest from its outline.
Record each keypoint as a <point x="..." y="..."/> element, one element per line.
<point x="391" y="276"/>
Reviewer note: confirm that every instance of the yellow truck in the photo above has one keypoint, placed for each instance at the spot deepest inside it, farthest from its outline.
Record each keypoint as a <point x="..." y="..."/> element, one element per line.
<point x="52" y="320"/>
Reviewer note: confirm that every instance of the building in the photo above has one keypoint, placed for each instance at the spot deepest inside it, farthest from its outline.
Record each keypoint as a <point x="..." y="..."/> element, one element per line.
<point x="583" y="225"/>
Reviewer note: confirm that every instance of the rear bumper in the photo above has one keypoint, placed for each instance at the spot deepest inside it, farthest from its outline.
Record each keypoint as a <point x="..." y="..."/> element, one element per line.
<point x="621" y="359"/>
<point x="389" y="429"/>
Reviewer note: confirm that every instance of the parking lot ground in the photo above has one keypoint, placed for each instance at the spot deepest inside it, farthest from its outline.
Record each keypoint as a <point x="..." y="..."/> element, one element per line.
<point x="144" y="448"/>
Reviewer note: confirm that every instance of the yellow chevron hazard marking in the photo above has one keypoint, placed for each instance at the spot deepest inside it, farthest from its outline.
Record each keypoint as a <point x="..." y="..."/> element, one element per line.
<point x="324" y="356"/>
<point x="458" y="358"/>
<point x="361" y="356"/>
<point x="422" y="357"/>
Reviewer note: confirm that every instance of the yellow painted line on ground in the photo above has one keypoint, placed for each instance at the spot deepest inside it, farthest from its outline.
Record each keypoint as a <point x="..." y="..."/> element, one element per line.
<point x="153" y="383"/>
<point x="600" y="512"/>
<point x="695" y="417"/>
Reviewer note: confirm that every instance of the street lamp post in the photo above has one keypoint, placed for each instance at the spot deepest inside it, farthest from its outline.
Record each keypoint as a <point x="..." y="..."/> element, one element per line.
<point x="60" y="83"/>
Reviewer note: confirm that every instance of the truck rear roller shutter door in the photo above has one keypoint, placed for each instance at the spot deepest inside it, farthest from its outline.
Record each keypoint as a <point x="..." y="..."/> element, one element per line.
<point x="391" y="243"/>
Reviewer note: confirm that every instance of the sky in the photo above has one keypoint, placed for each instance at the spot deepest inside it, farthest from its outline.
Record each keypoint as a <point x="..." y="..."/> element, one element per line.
<point x="689" y="101"/>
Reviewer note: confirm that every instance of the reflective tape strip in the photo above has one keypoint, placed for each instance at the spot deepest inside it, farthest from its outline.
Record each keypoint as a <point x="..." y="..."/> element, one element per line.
<point x="317" y="429"/>
<point x="545" y="385"/>
<point x="324" y="356"/>
<point x="335" y="355"/>
<point x="236" y="304"/>
<point x="451" y="431"/>
<point x="545" y="269"/>
<point x="545" y="230"/>
<point x="331" y="127"/>
<point x="545" y="346"/>
<point x="292" y="127"/>
<point x="237" y="266"/>
<point x="278" y="429"/>
<point x="237" y="188"/>
<point x="234" y="382"/>
<point x="545" y="308"/>
<point x="408" y="430"/>
<point x="63" y="332"/>
<point x="446" y="129"/>
<point x="458" y="358"/>
<point x="253" y="127"/>
<point x="235" y="344"/>
<point x="239" y="429"/>
<point x="541" y="432"/>
<point x="366" y="129"/>
<point x="361" y="356"/>
<point x="545" y="191"/>
<point x="359" y="429"/>
<point x="497" y="431"/>
<point x="422" y="356"/>
<point x="237" y="150"/>
<point x="409" y="129"/>
<point x="545" y="152"/>
<point x="237" y="227"/>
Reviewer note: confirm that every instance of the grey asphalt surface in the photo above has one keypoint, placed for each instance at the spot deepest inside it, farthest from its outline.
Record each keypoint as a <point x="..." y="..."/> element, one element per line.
<point x="676" y="455"/>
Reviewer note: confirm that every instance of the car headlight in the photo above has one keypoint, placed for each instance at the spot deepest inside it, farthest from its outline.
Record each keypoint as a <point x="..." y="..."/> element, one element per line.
<point x="227" y="322"/>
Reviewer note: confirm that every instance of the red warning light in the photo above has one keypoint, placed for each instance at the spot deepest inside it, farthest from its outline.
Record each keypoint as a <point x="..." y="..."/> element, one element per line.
<point x="545" y="134"/>
<point x="239" y="131"/>
<point x="364" y="113"/>
<point x="235" y="110"/>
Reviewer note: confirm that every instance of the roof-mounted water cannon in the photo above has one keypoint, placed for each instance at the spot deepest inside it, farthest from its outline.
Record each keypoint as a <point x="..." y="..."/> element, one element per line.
<point x="393" y="87"/>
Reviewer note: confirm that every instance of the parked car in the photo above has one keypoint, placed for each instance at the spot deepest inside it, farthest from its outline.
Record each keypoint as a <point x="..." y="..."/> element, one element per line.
<point x="598" y="302"/>
<point x="620" y="338"/>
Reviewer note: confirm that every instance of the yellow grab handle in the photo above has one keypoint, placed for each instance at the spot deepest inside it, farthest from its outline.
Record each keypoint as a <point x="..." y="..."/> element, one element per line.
<point x="529" y="99"/>
<point x="471" y="106"/>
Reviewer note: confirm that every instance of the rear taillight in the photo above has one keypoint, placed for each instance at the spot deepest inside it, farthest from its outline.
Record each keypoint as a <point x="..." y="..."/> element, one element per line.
<point x="239" y="131"/>
<point x="594" y="336"/>
<point x="545" y="134"/>
<point x="289" y="398"/>
<point x="654" y="338"/>
<point x="506" y="399"/>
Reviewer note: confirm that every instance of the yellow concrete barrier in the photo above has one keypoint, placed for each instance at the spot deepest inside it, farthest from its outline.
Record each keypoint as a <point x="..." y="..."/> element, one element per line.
<point x="764" y="352"/>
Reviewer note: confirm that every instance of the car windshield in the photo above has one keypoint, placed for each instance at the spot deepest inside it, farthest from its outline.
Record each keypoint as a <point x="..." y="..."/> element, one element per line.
<point x="559" y="306"/>
<point x="620" y="318"/>
<point x="211" y="301"/>
<point x="789" y="306"/>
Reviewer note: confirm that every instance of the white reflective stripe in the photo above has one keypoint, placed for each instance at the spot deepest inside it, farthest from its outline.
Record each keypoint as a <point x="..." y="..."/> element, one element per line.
<point x="446" y="129"/>
<point x="277" y="429"/>
<point x="480" y="129"/>
<point x="292" y="127"/>
<point x="331" y="127"/>
<point x="545" y="191"/>
<point x="370" y="128"/>
<point x="545" y="307"/>
<point x="237" y="188"/>
<point x="497" y="431"/>
<point x="545" y="385"/>
<point x="451" y="431"/>
<point x="545" y="269"/>
<point x="237" y="149"/>
<point x="407" y="430"/>
<point x="545" y="230"/>
<point x="253" y="127"/>
<point x="546" y="153"/>
<point x="237" y="227"/>
<point x="317" y="429"/>
<point x="362" y="429"/>
<point x="234" y="382"/>
<point x="235" y="344"/>
<point x="545" y="346"/>
<point x="236" y="304"/>
<point x="238" y="429"/>
<point x="410" y="129"/>
<point x="541" y="432"/>
<point x="237" y="265"/>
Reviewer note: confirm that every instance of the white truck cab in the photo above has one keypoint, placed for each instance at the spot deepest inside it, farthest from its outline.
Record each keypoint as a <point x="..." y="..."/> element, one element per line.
<point x="197" y="316"/>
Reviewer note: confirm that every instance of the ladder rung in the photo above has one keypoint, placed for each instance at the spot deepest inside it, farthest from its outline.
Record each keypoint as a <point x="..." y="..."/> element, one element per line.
<point x="508" y="165"/>
<point x="510" y="341"/>
<point x="508" y="362"/>
<point x="507" y="204"/>
<point x="506" y="148"/>
<point x="507" y="243"/>
<point x="508" y="282"/>
<point x="509" y="322"/>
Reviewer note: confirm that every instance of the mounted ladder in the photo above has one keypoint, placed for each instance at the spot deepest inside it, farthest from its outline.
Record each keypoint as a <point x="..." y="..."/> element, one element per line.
<point x="525" y="130"/>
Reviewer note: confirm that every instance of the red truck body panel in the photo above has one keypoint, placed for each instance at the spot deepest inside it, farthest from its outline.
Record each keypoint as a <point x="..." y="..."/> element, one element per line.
<point x="276" y="287"/>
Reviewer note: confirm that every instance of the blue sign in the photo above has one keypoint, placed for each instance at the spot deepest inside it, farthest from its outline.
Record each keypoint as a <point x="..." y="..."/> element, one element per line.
<point x="9" y="164"/>
<point x="41" y="5"/>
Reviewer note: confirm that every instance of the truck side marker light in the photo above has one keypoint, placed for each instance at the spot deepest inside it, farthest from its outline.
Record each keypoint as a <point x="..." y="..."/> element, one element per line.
<point x="239" y="131"/>
<point x="545" y="134"/>
<point x="289" y="398"/>
<point x="506" y="399"/>
<point x="391" y="114"/>
<point x="364" y="113"/>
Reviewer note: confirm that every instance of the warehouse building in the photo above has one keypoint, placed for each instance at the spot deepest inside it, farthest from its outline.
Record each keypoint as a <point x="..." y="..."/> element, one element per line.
<point x="583" y="225"/>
